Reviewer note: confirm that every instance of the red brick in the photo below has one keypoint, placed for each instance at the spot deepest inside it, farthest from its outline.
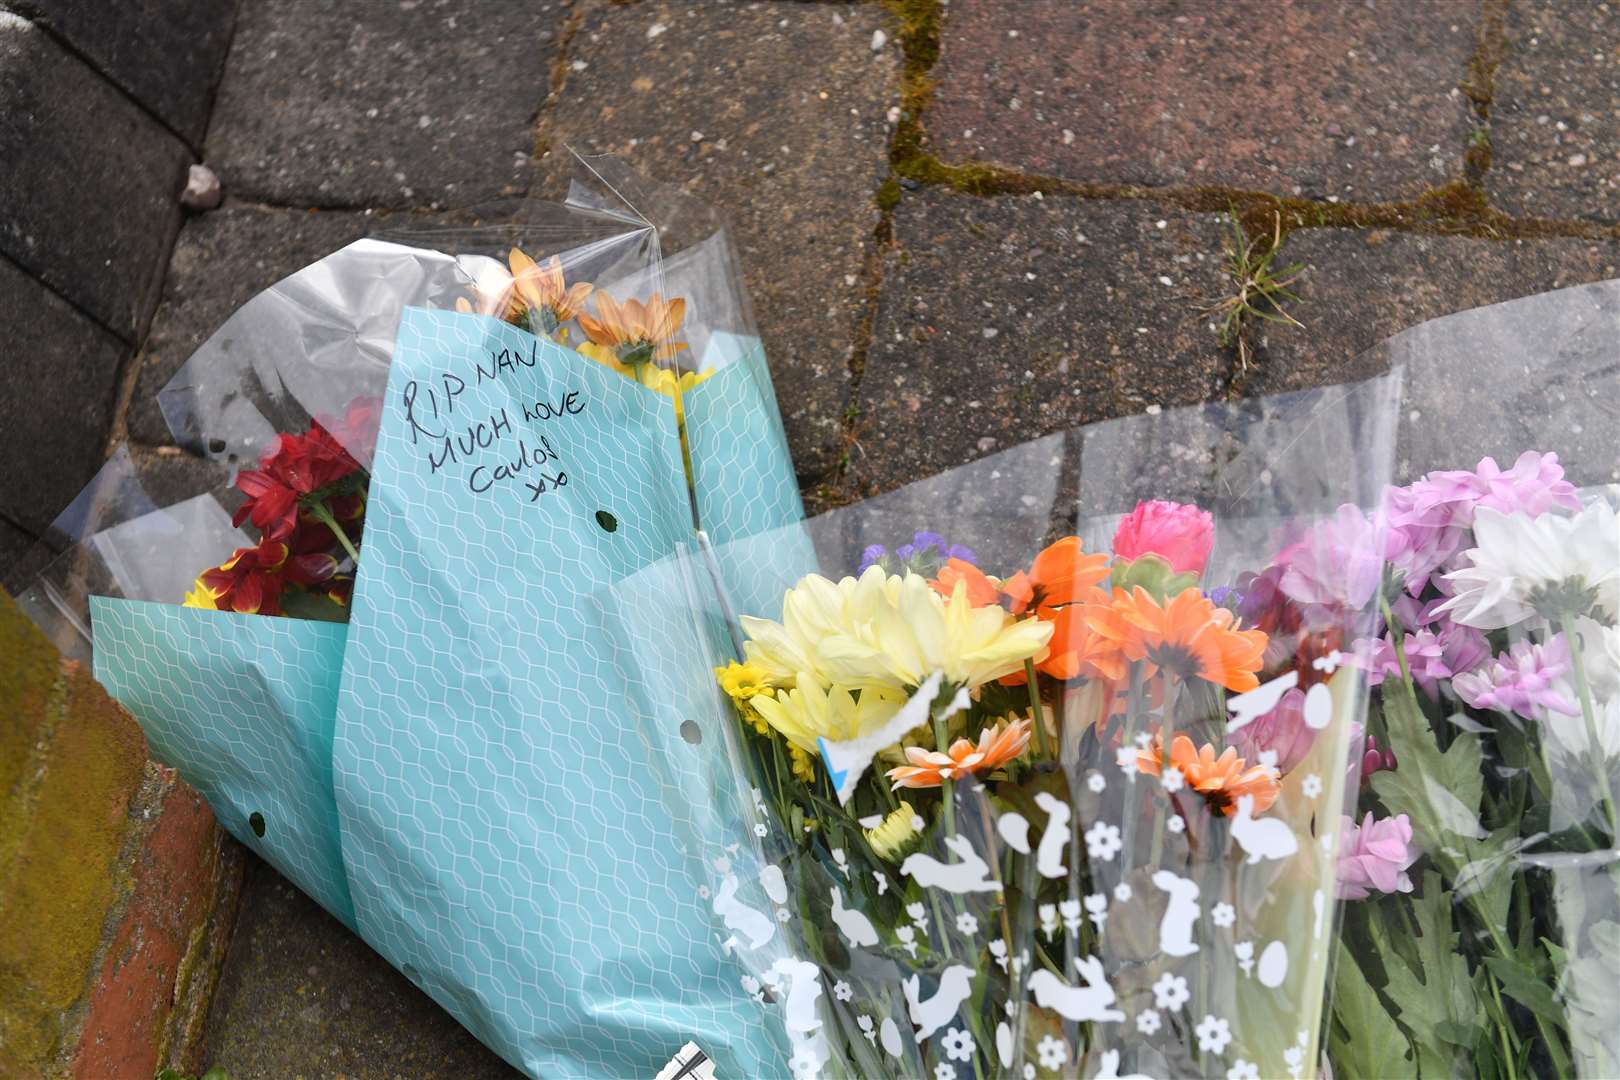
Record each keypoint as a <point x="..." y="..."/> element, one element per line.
<point x="162" y="952"/>
<point x="1555" y="117"/>
<point x="1314" y="98"/>
<point x="115" y="892"/>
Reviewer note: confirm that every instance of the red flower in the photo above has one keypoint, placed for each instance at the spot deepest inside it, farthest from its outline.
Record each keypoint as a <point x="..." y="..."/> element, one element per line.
<point x="251" y="580"/>
<point x="357" y="428"/>
<point x="293" y="467"/>
<point x="310" y="561"/>
<point x="340" y="590"/>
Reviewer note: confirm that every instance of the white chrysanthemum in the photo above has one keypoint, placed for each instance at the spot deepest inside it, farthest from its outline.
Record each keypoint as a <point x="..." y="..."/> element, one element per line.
<point x="1600" y="648"/>
<point x="1519" y="561"/>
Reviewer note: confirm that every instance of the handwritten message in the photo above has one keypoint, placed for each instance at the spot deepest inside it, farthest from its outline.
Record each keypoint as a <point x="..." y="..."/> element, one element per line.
<point x="483" y="444"/>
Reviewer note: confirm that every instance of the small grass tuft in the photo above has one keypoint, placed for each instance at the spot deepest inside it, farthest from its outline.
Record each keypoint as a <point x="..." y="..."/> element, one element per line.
<point x="1259" y="290"/>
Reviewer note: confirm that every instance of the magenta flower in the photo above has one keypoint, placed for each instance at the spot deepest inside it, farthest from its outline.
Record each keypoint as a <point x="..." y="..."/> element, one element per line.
<point x="1337" y="562"/>
<point x="1374" y="856"/>
<point x="1528" y="679"/>
<point x="1429" y="519"/>
<point x="1281" y="731"/>
<point x="1179" y="533"/>
<point x="1375" y="760"/>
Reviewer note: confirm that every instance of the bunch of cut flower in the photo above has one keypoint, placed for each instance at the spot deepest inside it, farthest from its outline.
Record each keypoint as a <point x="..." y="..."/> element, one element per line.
<point x="307" y="498"/>
<point x="1085" y="843"/>
<point x="1485" y="928"/>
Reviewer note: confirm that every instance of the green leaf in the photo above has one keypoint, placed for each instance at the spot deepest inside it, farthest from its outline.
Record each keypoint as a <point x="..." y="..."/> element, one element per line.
<point x="1365" y="1042"/>
<point x="1432" y="995"/>
<point x="1525" y="988"/>
<point x="1440" y="790"/>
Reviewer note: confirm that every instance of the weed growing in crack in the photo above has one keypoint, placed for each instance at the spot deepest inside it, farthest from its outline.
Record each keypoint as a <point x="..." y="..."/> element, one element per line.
<point x="1259" y="292"/>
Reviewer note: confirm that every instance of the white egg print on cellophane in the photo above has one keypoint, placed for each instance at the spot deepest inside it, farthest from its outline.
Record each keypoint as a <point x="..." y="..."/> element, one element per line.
<point x="1176" y="942"/>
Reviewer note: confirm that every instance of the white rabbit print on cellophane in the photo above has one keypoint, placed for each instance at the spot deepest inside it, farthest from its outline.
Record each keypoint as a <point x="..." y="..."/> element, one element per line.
<point x="1085" y="929"/>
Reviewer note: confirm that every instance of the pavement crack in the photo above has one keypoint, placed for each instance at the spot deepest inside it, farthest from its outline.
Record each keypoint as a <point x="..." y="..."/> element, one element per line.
<point x="559" y="81"/>
<point x="1480" y="86"/>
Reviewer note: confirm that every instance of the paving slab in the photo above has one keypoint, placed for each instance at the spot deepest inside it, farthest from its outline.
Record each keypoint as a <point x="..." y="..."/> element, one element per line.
<point x="1555" y="114"/>
<point x="1355" y="101"/>
<point x="1007" y="318"/>
<point x="1360" y="287"/>
<point x="303" y="997"/>
<point x="57" y="398"/>
<point x="777" y="113"/>
<point x="14" y="544"/>
<point x="415" y="104"/>
<point x="1528" y="385"/>
<point x="89" y="192"/>
<point x="169" y="62"/>
<point x="221" y="261"/>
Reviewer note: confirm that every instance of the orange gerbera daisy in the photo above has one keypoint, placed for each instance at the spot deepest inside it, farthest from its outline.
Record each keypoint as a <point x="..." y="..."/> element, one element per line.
<point x="1061" y="574"/>
<point x="1076" y="649"/>
<point x="1187" y="636"/>
<point x="997" y="746"/>
<point x="640" y="332"/>
<point x="981" y="589"/>
<point x="1221" y="781"/>
<point x="541" y="288"/>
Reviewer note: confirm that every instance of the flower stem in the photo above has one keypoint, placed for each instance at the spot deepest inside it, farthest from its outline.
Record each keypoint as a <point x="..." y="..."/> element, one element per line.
<point x="1167" y="732"/>
<point x="948" y="817"/>
<point x="323" y="514"/>
<point x="1035" y="715"/>
<point x="1584" y="688"/>
<point x="1397" y="636"/>
<point x="1127" y="856"/>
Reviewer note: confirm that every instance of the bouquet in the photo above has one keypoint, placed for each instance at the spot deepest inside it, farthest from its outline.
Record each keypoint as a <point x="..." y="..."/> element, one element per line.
<point x="1051" y="788"/>
<point x="381" y="638"/>
<point x="1484" y="922"/>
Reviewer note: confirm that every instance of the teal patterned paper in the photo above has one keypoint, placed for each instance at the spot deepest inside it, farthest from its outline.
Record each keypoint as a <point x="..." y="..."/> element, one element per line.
<point x="746" y="492"/>
<point x="506" y="823"/>
<point x="242" y="706"/>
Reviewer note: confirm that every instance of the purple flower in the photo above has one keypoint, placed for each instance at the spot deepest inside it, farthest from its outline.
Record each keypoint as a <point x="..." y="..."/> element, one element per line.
<point x="1429" y="519"/>
<point x="873" y="555"/>
<point x="926" y="553"/>
<point x="1337" y="563"/>
<point x="1374" y="856"/>
<point x="1528" y="679"/>
<point x="1430" y="656"/>
<point x="1281" y="731"/>
<point x="1462" y="648"/>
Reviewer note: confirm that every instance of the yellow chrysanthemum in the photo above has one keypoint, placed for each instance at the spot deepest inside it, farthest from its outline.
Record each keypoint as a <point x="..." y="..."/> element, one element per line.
<point x="743" y="681"/>
<point x="650" y="375"/>
<point x="913" y="632"/>
<point x="896" y="834"/>
<point x="808" y="713"/>
<point x="812" y="610"/>
<point x="888" y="632"/>
<point x="803" y="764"/>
